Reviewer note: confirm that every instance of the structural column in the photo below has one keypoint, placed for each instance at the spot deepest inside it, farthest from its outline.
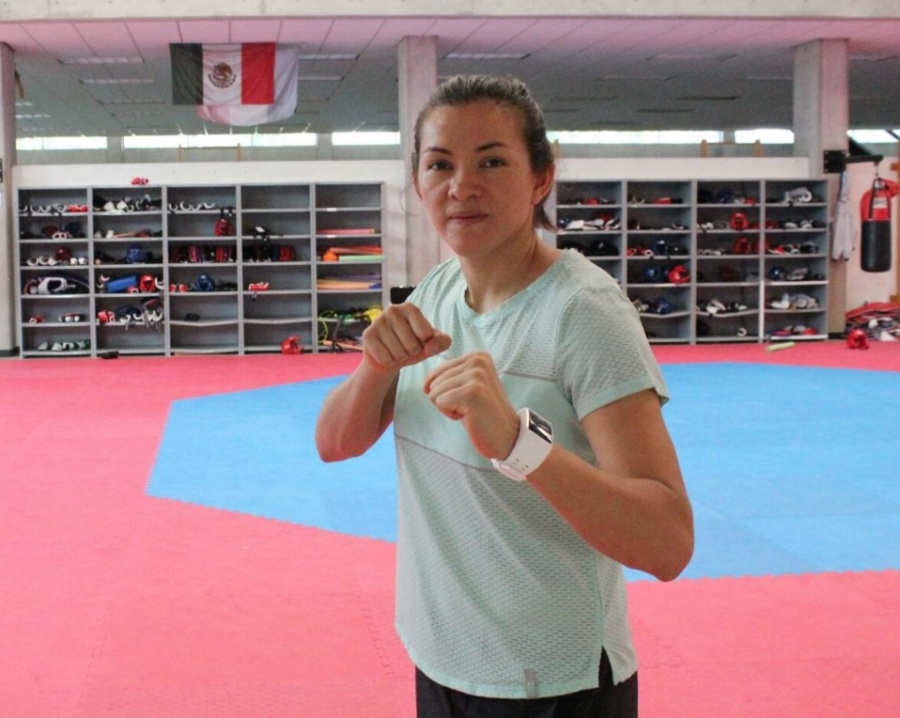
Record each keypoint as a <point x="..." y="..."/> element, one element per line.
<point x="324" y="147"/>
<point x="417" y="74"/>
<point x="821" y="121"/>
<point x="7" y="200"/>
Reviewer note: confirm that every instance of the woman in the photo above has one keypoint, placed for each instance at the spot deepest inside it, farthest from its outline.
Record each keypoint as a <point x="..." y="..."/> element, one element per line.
<point x="532" y="454"/>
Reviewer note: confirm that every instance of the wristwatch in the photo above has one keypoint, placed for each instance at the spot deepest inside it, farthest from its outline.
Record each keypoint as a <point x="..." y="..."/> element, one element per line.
<point x="531" y="448"/>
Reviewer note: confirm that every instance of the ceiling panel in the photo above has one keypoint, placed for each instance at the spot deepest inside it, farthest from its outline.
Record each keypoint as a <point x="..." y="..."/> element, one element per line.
<point x="107" y="39"/>
<point x="58" y="39"/>
<point x="308" y="33"/>
<point x="153" y="37"/>
<point x="204" y="31"/>
<point x="254" y="30"/>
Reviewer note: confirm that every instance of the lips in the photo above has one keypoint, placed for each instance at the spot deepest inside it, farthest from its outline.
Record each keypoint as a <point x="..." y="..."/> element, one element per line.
<point x="470" y="216"/>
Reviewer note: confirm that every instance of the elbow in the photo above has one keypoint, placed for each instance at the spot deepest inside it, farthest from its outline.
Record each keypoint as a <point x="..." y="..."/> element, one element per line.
<point x="678" y="550"/>
<point x="677" y="558"/>
<point x="672" y="570"/>
<point x="328" y="457"/>
<point x="332" y="449"/>
<point x="329" y="452"/>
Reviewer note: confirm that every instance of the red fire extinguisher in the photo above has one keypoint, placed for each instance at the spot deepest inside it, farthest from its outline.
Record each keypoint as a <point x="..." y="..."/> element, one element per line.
<point x="875" y="211"/>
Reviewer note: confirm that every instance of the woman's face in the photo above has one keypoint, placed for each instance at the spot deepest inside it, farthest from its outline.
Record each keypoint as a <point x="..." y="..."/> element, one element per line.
<point x="475" y="178"/>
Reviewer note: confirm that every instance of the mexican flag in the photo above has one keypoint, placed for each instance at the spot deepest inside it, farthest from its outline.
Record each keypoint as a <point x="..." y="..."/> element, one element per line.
<point x="249" y="84"/>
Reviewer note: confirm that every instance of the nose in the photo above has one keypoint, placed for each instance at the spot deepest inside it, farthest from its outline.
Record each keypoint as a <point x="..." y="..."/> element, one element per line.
<point x="464" y="184"/>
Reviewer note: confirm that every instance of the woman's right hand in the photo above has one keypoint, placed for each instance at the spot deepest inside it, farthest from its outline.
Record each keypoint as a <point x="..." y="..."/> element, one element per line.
<point x="399" y="337"/>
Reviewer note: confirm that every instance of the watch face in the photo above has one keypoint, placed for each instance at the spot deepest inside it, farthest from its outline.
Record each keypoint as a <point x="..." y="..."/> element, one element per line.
<point x="540" y="426"/>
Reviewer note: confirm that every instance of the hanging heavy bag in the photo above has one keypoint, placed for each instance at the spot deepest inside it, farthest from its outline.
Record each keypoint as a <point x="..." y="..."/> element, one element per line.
<point x="875" y="211"/>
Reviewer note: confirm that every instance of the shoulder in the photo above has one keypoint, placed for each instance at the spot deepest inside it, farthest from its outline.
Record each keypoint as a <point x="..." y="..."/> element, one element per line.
<point x="589" y="291"/>
<point x="438" y="280"/>
<point x="578" y="274"/>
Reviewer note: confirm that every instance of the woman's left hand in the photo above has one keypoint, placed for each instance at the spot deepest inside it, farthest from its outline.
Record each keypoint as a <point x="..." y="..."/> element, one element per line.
<point x="468" y="389"/>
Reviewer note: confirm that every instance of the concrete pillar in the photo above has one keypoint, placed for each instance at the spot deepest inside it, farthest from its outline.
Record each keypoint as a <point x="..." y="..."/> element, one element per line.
<point x="8" y="343"/>
<point x="324" y="146"/>
<point x="417" y="75"/>
<point x="115" y="150"/>
<point x="821" y="121"/>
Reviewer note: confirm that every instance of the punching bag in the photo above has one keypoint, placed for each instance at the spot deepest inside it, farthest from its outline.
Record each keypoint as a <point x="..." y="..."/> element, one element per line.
<point x="875" y="212"/>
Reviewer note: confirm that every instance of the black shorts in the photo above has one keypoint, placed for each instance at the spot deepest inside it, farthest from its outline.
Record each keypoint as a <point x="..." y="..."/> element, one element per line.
<point x="606" y="701"/>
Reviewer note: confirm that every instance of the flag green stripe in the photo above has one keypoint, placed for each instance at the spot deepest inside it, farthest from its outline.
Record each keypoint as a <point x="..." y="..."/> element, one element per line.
<point x="187" y="74"/>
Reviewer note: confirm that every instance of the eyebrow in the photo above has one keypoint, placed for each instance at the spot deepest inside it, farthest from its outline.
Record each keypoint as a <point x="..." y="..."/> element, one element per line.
<point x="481" y="148"/>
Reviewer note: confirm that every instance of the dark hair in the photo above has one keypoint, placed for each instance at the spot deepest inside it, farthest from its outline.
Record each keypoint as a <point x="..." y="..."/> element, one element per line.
<point x="506" y="91"/>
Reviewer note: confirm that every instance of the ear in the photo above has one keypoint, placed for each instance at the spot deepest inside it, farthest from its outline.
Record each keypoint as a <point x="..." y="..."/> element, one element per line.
<point x="543" y="184"/>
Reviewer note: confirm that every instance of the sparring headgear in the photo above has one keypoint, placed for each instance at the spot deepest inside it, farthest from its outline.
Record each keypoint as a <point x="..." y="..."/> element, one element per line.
<point x="679" y="274"/>
<point x="291" y="345"/>
<point x="857" y="339"/>
<point x="147" y="284"/>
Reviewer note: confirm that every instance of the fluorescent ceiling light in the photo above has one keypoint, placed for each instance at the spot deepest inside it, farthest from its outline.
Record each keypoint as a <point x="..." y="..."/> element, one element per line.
<point x="117" y="81"/>
<point x="692" y="55"/>
<point x="872" y="58"/>
<point x="710" y="98"/>
<point x="128" y="101"/>
<point x="101" y="61"/>
<point x="665" y="111"/>
<point x="769" y="78"/>
<point x="320" y="78"/>
<point x="585" y="98"/>
<point x="329" y="56"/>
<point x="486" y="56"/>
<point x="638" y="78"/>
<point x="138" y="113"/>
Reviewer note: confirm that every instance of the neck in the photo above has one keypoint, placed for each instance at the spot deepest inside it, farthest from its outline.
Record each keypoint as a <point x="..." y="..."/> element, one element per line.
<point x="492" y="280"/>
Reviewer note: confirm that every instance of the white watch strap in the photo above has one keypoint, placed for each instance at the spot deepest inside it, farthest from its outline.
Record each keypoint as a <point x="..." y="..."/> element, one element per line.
<point x="527" y="454"/>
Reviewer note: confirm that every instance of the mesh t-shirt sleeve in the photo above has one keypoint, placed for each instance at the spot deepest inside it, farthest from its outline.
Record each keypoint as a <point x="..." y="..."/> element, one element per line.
<point x="603" y="353"/>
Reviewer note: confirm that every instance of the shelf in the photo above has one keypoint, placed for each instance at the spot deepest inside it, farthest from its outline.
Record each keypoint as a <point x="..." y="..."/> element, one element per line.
<point x="722" y="232"/>
<point x="172" y="225"/>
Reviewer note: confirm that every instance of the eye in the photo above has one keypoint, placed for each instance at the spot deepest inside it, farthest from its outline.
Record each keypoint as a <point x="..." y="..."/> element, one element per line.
<point x="438" y="165"/>
<point x="494" y="162"/>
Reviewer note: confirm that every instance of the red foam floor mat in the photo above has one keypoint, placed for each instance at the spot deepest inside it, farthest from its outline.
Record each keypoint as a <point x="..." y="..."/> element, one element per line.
<point x="116" y="604"/>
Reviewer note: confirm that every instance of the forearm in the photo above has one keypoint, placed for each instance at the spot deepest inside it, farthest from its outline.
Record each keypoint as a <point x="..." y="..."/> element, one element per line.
<point x="642" y="523"/>
<point x="355" y="414"/>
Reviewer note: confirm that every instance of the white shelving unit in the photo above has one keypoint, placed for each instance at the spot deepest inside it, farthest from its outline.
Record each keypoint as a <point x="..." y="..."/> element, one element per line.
<point x="637" y="218"/>
<point x="201" y="268"/>
<point x="708" y="260"/>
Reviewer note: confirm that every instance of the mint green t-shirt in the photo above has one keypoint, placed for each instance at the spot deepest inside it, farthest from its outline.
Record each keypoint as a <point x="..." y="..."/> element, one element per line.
<point x="496" y="594"/>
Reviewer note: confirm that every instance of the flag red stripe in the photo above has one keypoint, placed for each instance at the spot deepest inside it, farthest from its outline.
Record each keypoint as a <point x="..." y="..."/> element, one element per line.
<point x="258" y="70"/>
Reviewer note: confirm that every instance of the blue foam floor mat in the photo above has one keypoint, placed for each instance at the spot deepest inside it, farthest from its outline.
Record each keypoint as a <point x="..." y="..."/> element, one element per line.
<point x="790" y="469"/>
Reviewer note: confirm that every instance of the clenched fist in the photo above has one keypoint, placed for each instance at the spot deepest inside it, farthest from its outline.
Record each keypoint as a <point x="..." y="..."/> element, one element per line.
<point x="468" y="389"/>
<point x="399" y="337"/>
